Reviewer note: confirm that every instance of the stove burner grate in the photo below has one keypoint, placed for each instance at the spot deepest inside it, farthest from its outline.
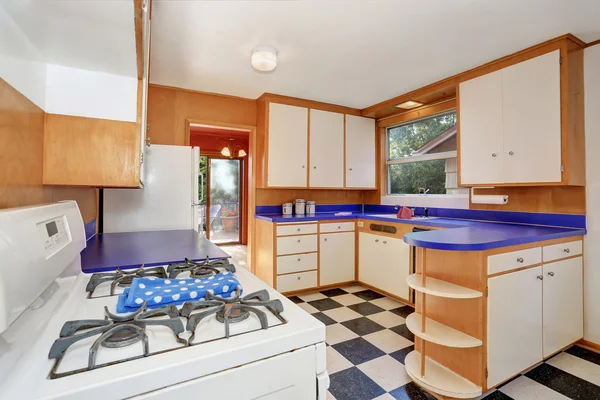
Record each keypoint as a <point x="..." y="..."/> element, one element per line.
<point x="202" y="269"/>
<point x="121" y="278"/>
<point x="231" y="310"/>
<point x="114" y="331"/>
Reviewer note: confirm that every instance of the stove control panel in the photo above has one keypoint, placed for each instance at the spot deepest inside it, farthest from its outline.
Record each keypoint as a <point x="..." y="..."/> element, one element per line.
<point x="55" y="234"/>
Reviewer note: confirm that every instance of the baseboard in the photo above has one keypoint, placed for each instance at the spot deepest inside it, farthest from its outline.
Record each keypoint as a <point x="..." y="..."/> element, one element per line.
<point x="586" y="344"/>
<point x="383" y="292"/>
<point x="318" y="288"/>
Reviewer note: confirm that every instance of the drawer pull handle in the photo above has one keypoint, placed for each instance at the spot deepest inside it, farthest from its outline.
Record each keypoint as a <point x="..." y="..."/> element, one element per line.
<point x="567" y="251"/>
<point x="298" y="278"/>
<point x="298" y="229"/>
<point x="540" y="277"/>
<point x="520" y="259"/>
<point x="376" y="240"/>
<point x="551" y="273"/>
<point x="298" y="240"/>
<point x="494" y="154"/>
<point x="339" y="227"/>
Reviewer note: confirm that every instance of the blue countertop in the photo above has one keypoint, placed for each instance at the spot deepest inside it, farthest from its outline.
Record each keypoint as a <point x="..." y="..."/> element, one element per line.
<point x="457" y="234"/>
<point x="106" y="251"/>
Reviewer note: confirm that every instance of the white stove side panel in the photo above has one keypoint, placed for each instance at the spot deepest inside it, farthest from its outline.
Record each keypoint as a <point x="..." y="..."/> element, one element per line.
<point x="291" y="376"/>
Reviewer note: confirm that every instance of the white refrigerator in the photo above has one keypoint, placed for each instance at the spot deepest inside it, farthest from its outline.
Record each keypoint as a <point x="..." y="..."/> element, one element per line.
<point x="168" y="199"/>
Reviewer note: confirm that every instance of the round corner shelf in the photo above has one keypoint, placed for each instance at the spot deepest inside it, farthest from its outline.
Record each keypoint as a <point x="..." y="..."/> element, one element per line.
<point x="439" y="333"/>
<point x="436" y="287"/>
<point x="439" y="379"/>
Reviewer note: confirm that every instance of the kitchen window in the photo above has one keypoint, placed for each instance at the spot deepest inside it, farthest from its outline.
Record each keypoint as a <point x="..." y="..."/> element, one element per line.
<point x="421" y="156"/>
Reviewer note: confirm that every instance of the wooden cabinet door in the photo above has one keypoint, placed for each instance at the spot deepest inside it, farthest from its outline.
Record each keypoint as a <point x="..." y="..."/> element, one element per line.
<point x="514" y="323"/>
<point x="288" y="146"/>
<point x="370" y="268"/>
<point x="326" y="149"/>
<point x="563" y="304"/>
<point x="480" y="124"/>
<point x="395" y="260"/>
<point x="531" y="116"/>
<point x="336" y="254"/>
<point x="360" y="152"/>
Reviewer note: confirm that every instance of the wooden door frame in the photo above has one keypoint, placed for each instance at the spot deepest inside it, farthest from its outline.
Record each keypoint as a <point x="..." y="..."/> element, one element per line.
<point x="248" y="225"/>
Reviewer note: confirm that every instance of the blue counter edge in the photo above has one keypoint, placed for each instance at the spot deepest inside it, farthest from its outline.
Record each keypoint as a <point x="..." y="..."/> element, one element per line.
<point x="133" y="266"/>
<point x="490" y="245"/>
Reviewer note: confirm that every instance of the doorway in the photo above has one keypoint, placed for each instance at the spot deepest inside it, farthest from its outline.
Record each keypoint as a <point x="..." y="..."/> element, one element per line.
<point x="221" y="211"/>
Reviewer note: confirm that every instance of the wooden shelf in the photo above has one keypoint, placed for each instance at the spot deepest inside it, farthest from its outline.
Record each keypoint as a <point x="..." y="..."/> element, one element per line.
<point x="436" y="287"/>
<point x="439" y="379"/>
<point x="438" y="333"/>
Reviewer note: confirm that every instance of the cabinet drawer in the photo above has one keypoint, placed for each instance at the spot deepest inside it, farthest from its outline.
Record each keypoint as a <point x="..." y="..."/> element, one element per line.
<point x="337" y="227"/>
<point x="296" y="244"/>
<point x="295" y="263"/>
<point x="300" y="229"/>
<point x="515" y="259"/>
<point x="302" y="280"/>
<point x="563" y="250"/>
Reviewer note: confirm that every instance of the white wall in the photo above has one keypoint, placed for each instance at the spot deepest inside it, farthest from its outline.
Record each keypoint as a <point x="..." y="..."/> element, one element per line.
<point x="592" y="239"/>
<point x="83" y="93"/>
<point x="21" y="65"/>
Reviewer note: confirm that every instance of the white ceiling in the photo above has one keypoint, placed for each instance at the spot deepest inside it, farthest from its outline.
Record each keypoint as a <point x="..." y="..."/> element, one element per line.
<point x="96" y="35"/>
<point x="353" y="53"/>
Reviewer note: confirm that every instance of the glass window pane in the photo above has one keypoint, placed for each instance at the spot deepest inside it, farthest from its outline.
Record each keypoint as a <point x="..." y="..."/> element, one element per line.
<point x="405" y="139"/>
<point x="407" y="178"/>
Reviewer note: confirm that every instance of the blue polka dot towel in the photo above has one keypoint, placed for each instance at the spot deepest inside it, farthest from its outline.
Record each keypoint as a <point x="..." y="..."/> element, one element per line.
<point x="159" y="292"/>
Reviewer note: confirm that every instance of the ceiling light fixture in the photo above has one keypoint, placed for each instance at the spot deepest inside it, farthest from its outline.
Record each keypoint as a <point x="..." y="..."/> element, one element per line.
<point x="410" y="104"/>
<point x="264" y="58"/>
<point x="227" y="151"/>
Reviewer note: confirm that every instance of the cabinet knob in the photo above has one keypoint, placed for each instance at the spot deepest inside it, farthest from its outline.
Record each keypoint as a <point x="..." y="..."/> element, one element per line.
<point x="551" y="273"/>
<point x="494" y="154"/>
<point x="384" y="242"/>
<point x="298" y="229"/>
<point x="298" y="258"/>
<point x="298" y="278"/>
<point x="298" y="240"/>
<point x="339" y="227"/>
<point x="567" y="251"/>
<point x="376" y="240"/>
<point x="304" y="166"/>
<point x="511" y="153"/>
<point x="520" y="259"/>
<point x="314" y="167"/>
<point x="349" y="169"/>
<point x="325" y="239"/>
<point x="540" y="277"/>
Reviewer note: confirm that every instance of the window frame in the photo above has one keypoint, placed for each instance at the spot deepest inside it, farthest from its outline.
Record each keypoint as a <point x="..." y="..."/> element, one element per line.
<point x="410" y="159"/>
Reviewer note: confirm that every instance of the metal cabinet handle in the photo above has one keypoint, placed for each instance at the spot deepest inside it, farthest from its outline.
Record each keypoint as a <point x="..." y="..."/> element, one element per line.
<point x="298" y="229"/>
<point x="540" y="277"/>
<point x="376" y="240"/>
<point x="314" y="167"/>
<point x="551" y="273"/>
<point x="298" y="240"/>
<point x="384" y="242"/>
<point x="298" y="258"/>
<point x="325" y="239"/>
<point x="339" y="227"/>
<point x="303" y="166"/>
<point x="567" y="251"/>
<point x="349" y="169"/>
<point x="494" y="154"/>
<point x="511" y="153"/>
<point x="520" y="259"/>
<point x="298" y="278"/>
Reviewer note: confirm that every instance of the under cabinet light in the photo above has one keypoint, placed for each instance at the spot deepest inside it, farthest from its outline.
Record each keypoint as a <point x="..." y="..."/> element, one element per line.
<point x="410" y="104"/>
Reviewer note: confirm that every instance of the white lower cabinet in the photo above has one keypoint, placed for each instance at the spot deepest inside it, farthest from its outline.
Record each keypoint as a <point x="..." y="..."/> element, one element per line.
<point x="514" y="323"/>
<point x="563" y="304"/>
<point x="299" y="281"/>
<point x="384" y="263"/>
<point x="337" y="261"/>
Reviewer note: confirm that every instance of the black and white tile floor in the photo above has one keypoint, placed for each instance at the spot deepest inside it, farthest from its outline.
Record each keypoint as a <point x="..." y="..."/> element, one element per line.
<point x="368" y="340"/>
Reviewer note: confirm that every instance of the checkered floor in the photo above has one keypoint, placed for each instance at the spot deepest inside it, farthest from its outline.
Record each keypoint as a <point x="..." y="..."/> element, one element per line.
<point x="367" y="341"/>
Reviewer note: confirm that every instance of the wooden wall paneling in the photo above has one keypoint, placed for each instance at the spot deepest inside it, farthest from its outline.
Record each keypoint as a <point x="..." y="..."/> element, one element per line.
<point x="548" y="199"/>
<point x="86" y="198"/>
<point x="264" y="247"/>
<point x="271" y="197"/>
<point x="262" y="123"/>
<point x="139" y="47"/>
<point x="162" y="115"/>
<point x="91" y="152"/>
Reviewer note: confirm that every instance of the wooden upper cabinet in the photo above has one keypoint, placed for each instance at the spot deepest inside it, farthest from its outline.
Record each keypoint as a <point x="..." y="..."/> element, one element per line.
<point x="287" y="146"/>
<point x="360" y="152"/>
<point x="522" y="123"/>
<point x="326" y="149"/>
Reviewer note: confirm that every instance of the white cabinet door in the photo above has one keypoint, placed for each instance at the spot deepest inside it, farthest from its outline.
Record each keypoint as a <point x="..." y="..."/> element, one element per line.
<point x="514" y="323"/>
<point x="563" y="304"/>
<point x="360" y="152"/>
<point x="395" y="257"/>
<point x="336" y="254"/>
<point x="480" y="124"/>
<point x="288" y="146"/>
<point x="370" y="268"/>
<point x="326" y="149"/>
<point x="531" y="115"/>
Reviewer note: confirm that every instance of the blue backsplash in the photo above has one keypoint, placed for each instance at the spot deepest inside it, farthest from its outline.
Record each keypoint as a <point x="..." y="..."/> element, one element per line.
<point x="564" y="220"/>
<point x="90" y="229"/>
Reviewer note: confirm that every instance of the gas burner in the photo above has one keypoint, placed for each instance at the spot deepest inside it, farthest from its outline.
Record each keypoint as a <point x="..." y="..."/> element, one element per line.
<point x="121" y="278"/>
<point x="231" y="310"/>
<point x="114" y="331"/>
<point x="202" y="269"/>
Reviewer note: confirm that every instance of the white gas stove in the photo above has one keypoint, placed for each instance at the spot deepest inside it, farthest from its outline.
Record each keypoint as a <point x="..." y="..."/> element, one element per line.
<point x="59" y="339"/>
